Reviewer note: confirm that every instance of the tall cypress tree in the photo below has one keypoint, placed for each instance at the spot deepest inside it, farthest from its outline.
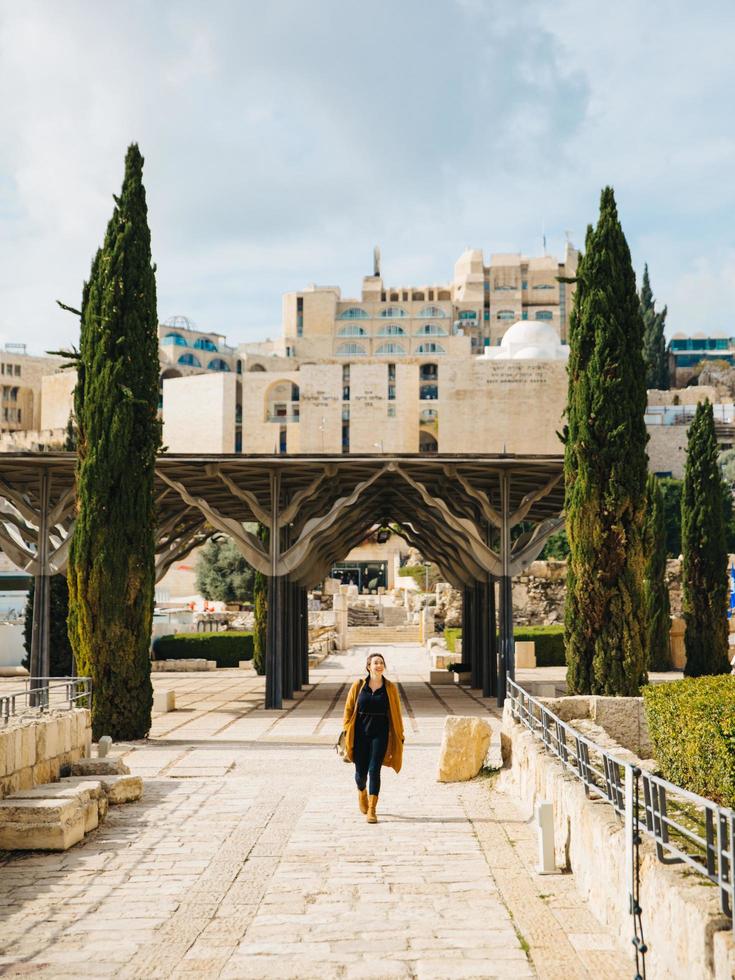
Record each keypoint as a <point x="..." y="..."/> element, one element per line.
<point x="704" y="570"/>
<point x="654" y="342"/>
<point x="111" y="563"/>
<point x="605" y="468"/>
<point x="655" y="591"/>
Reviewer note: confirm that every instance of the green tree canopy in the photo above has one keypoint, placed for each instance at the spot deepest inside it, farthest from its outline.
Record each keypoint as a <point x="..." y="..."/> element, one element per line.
<point x="605" y="468"/>
<point x="111" y="563"/>
<point x="704" y="571"/>
<point x="654" y="341"/>
<point x="222" y="572"/>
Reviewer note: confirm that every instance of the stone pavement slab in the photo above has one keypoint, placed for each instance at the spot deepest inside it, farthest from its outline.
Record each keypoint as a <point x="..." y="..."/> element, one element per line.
<point x="248" y="857"/>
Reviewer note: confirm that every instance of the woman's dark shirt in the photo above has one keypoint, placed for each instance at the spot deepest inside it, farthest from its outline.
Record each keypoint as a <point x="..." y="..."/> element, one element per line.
<point x="372" y="711"/>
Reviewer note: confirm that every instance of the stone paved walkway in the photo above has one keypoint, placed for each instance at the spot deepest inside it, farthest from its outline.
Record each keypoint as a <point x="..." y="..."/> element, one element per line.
<point x="248" y="857"/>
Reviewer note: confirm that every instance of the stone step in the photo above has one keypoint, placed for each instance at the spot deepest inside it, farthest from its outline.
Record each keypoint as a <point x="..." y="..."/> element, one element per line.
<point x="88" y="793"/>
<point x="365" y="635"/>
<point x="116" y="789"/>
<point x="41" y="825"/>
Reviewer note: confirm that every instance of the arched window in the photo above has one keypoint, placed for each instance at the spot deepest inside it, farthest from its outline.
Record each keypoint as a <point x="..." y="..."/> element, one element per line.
<point x="431" y="330"/>
<point x="432" y="311"/>
<point x="352" y="330"/>
<point x="217" y="364"/>
<point x="467" y="314"/>
<point x="430" y="348"/>
<point x="175" y="339"/>
<point x="351" y="350"/>
<point x="353" y="313"/>
<point x="506" y="315"/>
<point x="544" y="315"/>
<point x="392" y="312"/>
<point x="204" y="343"/>
<point x="390" y="349"/>
<point x="392" y="330"/>
<point x="190" y="360"/>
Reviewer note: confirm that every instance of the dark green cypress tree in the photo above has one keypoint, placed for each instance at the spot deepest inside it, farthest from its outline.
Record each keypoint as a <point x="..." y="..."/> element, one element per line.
<point x="655" y="590"/>
<point x="654" y="342"/>
<point x="605" y="469"/>
<point x="260" y="603"/>
<point x="111" y="565"/>
<point x="704" y="570"/>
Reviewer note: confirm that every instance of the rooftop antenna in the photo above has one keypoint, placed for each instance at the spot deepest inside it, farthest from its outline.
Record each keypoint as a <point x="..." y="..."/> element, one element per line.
<point x="543" y="236"/>
<point x="376" y="260"/>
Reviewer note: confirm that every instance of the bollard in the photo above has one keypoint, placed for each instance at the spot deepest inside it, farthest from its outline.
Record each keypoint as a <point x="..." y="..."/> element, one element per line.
<point x="103" y="746"/>
<point x="545" y="822"/>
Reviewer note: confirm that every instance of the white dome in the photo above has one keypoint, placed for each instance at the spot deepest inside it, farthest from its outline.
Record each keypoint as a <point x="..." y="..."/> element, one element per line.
<point x="529" y="339"/>
<point x="531" y="353"/>
<point x="530" y="333"/>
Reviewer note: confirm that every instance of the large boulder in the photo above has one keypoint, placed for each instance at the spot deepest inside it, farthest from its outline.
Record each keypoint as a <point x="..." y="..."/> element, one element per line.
<point x="464" y="746"/>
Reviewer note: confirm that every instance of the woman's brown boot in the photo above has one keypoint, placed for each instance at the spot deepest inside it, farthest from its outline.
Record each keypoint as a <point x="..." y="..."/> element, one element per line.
<point x="362" y="799"/>
<point x="372" y="816"/>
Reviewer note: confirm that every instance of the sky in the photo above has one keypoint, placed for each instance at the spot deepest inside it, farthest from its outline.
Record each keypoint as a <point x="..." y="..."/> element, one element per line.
<point x="284" y="139"/>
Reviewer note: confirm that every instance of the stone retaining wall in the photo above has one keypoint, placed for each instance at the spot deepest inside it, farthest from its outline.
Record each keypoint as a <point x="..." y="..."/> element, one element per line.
<point x="686" y="934"/>
<point x="34" y="751"/>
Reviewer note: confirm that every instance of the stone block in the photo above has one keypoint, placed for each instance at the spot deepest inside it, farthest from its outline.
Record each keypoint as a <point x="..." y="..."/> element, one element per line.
<point x="110" y="766"/>
<point x="245" y="665"/>
<point x="3" y="753"/>
<point x="525" y="654"/>
<point x="94" y="787"/>
<point x="440" y="677"/>
<point x="462" y="677"/>
<point x="25" y="777"/>
<point x="86" y="793"/>
<point x="47" y="825"/>
<point x="27" y="745"/>
<point x="48" y="743"/>
<point x="164" y="701"/>
<point x="464" y="746"/>
<point x="211" y="664"/>
<point x="624" y="719"/>
<point x="42" y="773"/>
<point x="65" y="732"/>
<point x="103" y="746"/>
<point x="122" y="789"/>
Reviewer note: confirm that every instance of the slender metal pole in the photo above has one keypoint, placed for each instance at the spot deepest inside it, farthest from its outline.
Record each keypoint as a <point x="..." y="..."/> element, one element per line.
<point x="274" y="642"/>
<point x="40" y="645"/>
<point x="506" y="664"/>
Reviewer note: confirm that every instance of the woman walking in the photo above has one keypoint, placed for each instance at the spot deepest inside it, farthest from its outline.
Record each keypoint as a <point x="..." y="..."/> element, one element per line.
<point x="374" y="732"/>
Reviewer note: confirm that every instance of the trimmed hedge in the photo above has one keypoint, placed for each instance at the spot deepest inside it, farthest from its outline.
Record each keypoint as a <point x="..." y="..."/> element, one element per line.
<point x="228" y="649"/>
<point x="549" y="642"/>
<point x="692" y="727"/>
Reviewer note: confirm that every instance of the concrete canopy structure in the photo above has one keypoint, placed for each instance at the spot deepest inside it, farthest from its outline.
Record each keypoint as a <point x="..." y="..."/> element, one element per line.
<point x="459" y="510"/>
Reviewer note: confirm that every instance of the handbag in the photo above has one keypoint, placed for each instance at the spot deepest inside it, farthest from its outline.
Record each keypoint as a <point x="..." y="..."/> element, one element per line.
<point x="340" y="746"/>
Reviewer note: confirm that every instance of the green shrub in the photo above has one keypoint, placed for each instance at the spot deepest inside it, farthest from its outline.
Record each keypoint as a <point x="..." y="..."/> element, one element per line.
<point x="451" y="635"/>
<point x="549" y="642"/>
<point x="692" y="727"/>
<point x="228" y="649"/>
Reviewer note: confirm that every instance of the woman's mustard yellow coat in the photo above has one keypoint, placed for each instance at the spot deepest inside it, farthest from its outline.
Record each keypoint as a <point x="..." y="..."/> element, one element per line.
<point x="394" y="753"/>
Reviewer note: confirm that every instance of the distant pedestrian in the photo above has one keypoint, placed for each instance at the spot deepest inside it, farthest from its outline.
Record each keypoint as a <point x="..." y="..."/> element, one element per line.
<point x="373" y="732"/>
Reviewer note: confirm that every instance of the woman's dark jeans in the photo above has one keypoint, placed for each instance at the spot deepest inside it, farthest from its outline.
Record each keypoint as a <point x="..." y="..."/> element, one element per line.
<point x="368" y="755"/>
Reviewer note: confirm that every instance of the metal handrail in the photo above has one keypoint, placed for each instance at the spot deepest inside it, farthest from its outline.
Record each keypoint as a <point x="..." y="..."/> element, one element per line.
<point x="42" y="693"/>
<point x="703" y="832"/>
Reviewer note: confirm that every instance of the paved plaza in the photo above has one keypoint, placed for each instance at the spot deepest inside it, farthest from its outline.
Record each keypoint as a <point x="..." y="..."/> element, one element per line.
<point x="248" y="857"/>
